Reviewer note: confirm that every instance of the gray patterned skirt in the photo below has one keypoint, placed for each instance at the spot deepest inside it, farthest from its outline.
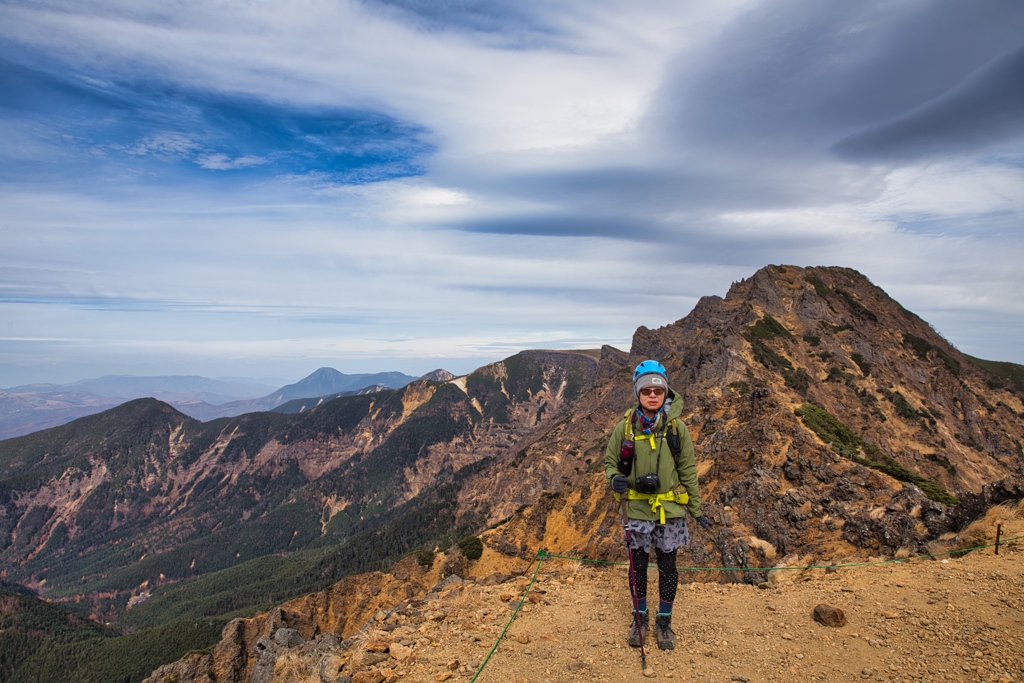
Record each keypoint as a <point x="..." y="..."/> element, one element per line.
<point x="671" y="535"/>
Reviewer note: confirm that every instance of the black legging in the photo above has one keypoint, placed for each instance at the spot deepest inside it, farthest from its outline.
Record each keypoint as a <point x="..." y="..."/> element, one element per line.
<point x="668" y="575"/>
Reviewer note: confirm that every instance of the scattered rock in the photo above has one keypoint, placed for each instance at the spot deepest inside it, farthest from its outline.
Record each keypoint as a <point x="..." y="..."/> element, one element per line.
<point x="365" y="659"/>
<point x="495" y="579"/>
<point x="740" y="679"/>
<point x="523" y="637"/>
<point x="330" y="667"/>
<point x="453" y="580"/>
<point x="399" y="651"/>
<point x="367" y="677"/>
<point x="829" y="615"/>
<point x="288" y="637"/>
<point x="649" y="672"/>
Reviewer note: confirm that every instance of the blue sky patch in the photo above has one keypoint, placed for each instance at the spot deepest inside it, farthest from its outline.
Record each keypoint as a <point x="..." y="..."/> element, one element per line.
<point x="159" y="129"/>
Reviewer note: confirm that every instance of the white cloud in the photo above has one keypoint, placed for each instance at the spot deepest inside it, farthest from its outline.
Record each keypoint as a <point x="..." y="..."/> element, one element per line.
<point x="222" y="162"/>
<point x="571" y="159"/>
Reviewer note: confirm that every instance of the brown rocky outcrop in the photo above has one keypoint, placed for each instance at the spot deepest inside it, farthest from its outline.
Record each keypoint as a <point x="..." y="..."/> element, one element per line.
<point x="779" y="493"/>
<point x="744" y="364"/>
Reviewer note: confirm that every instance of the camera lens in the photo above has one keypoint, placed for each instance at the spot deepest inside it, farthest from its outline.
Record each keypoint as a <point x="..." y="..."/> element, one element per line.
<point x="647" y="484"/>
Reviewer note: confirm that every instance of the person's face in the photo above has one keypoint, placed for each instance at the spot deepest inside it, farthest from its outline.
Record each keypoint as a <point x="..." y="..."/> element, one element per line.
<point x="652" y="398"/>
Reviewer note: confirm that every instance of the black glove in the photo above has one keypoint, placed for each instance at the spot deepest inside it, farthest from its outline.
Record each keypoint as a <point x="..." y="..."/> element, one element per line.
<point x="620" y="484"/>
<point x="704" y="522"/>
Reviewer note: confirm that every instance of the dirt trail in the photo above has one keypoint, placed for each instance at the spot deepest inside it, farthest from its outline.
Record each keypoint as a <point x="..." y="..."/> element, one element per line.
<point x="925" y="620"/>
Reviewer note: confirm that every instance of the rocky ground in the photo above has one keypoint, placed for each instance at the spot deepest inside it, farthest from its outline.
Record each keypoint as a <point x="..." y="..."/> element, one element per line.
<point x="955" y="618"/>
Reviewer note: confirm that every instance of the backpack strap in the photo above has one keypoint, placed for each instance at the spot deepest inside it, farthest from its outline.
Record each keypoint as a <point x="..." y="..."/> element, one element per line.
<point x="675" y="444"/>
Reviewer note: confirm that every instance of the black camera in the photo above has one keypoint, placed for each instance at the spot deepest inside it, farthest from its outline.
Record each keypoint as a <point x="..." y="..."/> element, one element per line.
<point x="647" y="484"/>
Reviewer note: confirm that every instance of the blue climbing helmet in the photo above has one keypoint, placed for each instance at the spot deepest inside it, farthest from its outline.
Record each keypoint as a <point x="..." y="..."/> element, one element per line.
<point x="649" y="367"/>
<point x="647" y="374"/>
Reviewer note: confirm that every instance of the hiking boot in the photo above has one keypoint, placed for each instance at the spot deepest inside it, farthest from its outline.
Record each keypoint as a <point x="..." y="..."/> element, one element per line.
<point x="663" y="631"/>
<point x="634" y="634"/>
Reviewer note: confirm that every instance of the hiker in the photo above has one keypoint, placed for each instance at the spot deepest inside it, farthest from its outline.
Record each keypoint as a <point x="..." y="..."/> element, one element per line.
<point x="650" y="463"/>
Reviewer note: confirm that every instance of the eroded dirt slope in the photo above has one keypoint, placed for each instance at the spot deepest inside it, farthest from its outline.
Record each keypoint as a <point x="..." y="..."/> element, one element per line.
<point x="937" y="619"/>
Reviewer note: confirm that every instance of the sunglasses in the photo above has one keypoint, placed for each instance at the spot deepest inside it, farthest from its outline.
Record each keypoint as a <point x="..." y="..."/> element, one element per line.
<point x="652" y="391"/>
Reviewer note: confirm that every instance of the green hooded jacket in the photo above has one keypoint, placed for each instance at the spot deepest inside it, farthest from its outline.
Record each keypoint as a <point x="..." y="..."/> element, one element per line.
<point x="681" y="475"/>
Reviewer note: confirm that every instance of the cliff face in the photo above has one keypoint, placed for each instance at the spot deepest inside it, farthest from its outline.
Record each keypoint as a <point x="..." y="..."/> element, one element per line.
<point x="913" y="427"/>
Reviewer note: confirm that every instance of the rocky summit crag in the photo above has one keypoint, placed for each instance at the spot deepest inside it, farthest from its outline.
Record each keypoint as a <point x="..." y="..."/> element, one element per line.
<point x="829" y="423"/>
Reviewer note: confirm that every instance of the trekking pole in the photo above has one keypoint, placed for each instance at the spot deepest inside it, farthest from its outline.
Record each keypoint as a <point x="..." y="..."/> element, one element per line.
<point x="632" y="589"/>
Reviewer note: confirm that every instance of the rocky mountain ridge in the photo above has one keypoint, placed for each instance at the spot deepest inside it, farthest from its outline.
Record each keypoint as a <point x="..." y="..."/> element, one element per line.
<point x="829" y="422"/>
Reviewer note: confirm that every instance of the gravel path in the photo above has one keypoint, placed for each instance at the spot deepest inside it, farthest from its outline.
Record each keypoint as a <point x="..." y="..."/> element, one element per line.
<point x="925" y="620"/>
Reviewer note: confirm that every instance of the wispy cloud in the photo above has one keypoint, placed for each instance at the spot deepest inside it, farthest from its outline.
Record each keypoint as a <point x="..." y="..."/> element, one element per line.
<point x="129" y="123"/>
<point x="195" y="183"/>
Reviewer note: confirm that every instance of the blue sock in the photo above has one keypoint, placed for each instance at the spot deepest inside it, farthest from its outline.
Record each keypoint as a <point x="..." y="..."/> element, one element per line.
<point x="641" y="605"/>
<point x="664" y="607"/>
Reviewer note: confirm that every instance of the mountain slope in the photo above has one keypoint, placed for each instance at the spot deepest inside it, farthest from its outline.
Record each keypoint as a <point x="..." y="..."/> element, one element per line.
<point x="745" y="365"/>
<point x="134" y="501"/>
<point x="829" y="423"/>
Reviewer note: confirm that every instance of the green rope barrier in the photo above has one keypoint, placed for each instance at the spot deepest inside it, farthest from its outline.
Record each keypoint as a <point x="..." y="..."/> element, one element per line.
<point x="541" y="554"/>
<point x="800" y="568"/>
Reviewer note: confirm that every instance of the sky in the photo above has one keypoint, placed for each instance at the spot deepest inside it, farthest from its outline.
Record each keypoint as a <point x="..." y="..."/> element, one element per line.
<point x="247" y="188"/>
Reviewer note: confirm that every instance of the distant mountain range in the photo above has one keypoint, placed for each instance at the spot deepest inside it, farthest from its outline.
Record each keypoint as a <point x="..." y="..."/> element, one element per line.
<point x="29" y="408"/>
<point x="168" y="388"/>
